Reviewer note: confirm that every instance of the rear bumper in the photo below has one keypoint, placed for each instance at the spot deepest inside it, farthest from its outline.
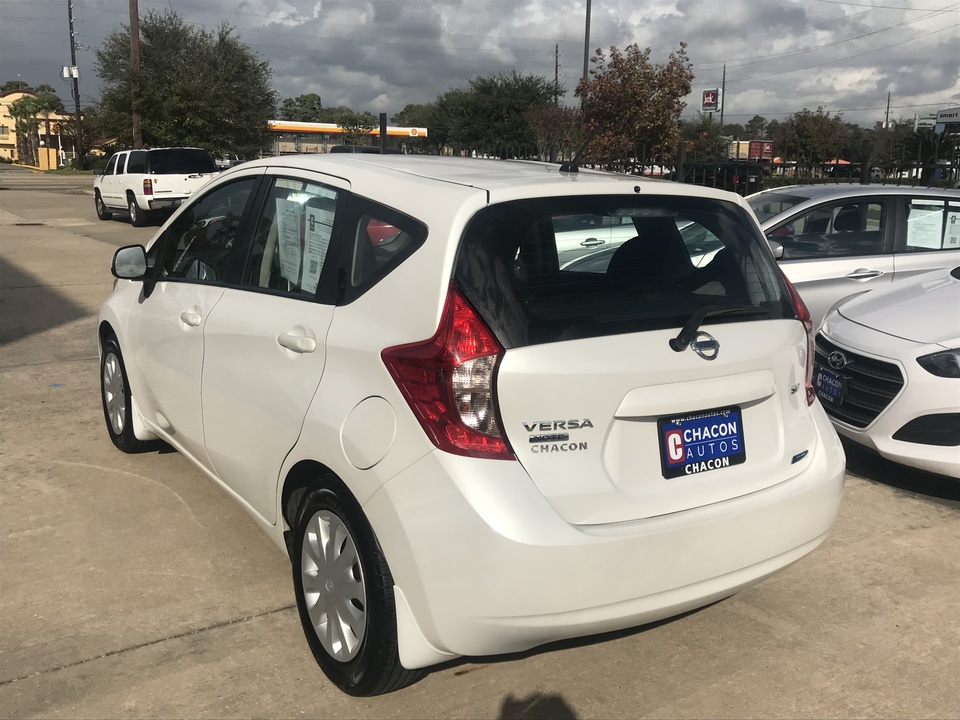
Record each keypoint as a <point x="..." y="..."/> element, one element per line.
<point x="166" y="203"/>
<point x="483" y="565"/>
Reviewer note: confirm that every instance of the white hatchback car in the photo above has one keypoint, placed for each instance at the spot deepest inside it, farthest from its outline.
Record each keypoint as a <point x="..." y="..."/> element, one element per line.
<point x="465" y="449"/>
<point x="888" y="371"/>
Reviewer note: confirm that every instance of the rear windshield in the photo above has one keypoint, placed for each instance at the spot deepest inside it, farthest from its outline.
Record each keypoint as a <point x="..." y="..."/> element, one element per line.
<point x="181" y="161"/>
<point x="766" y="205"/>
<point x="551" y="269"/>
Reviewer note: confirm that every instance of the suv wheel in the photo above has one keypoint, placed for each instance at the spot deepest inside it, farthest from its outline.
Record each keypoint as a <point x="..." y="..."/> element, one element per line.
<point x="345" y="596"/>
<point x="138" y="218"/>
<point x="102" y="211"/>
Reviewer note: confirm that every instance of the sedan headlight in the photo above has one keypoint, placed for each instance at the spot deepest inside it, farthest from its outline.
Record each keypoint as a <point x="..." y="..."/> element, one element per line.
<point x="942" y="364"/>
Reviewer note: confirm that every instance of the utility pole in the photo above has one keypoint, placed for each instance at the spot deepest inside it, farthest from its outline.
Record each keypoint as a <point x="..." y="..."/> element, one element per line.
<point x="135" y="72"/>
<point x="75" y="75"/>
<point x="723" y="95"/>
<point x="586" y="47"/>
<point x="886" y="118"/>
<point x="556" y="74"/>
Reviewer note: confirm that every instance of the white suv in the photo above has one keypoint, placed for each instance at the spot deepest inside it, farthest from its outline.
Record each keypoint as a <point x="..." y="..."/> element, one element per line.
<point x="464" y="448"/>
<point x="143" y="182"/>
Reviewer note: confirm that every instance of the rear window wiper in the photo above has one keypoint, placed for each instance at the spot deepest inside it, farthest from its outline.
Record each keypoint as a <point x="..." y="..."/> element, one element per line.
<point x="689" y="330"/>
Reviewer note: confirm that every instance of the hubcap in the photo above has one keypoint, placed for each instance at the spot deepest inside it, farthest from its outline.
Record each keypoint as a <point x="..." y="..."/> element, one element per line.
<point x="114" y="398"/>
<point x="333" y="585"/>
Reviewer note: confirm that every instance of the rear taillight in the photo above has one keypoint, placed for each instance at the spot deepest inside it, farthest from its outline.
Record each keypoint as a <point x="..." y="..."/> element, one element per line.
<point x="148" y="187"/>
<point x="803" y="315"/>
<point x="448" y="381"/>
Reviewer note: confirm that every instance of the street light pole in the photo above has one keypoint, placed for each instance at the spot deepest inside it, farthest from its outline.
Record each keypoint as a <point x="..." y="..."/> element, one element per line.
<point x="135" y="72"/>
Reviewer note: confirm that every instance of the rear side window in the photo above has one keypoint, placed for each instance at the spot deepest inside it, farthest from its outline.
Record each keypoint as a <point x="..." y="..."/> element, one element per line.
<point x="137" y="162"/>
<point x="177" y="161"/>
<point x="683" y="254"/>
<point x="932" y="225"/>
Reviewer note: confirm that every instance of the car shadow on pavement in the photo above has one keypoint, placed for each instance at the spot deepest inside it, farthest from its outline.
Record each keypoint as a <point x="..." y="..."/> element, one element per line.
<point x="40" y="307"/>
<point x="870" y="466"/>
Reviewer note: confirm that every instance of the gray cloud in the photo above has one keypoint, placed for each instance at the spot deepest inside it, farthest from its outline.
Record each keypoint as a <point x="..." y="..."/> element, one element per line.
<point x="378" y="55"/>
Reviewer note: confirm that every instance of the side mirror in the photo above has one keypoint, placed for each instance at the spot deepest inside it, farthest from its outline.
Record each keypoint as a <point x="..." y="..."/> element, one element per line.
<point x="129" y="263"/>
<point x="776" y="248"/>
<point x="98" y="171"/>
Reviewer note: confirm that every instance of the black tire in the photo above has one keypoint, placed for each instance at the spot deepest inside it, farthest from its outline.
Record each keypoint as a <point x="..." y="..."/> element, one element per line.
<point x="367" y="661"/>
<point x="138" y="217"/>
<point x="115" y="397"/>
<point x="102" y="211"/>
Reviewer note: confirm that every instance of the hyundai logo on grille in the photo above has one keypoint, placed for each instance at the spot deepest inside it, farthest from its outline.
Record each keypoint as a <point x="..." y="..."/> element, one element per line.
<point x="837" y="360"/>
<point x="705" y="345"/>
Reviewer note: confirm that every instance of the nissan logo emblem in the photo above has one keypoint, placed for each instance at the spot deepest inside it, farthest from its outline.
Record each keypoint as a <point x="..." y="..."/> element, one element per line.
<point x="705" y="345"/>
<point x="837" y="360"/>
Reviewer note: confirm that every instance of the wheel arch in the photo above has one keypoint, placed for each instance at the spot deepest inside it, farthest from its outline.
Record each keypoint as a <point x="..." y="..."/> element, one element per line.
<point x="304" y="475"/>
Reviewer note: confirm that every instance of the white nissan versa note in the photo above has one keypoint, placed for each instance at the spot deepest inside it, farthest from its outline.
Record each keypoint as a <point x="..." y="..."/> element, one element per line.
<point x="465" y="449"/>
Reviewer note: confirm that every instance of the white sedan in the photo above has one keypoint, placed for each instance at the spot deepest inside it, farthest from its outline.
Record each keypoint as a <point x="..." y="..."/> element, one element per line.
<point x="888" y="371"/>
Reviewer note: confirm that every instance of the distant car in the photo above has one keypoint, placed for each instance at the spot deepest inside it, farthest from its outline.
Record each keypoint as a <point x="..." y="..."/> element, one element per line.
<point x="888" y="371"/>
<point x="463" y="448"/>
<point x="142" y="183"/>
<point x="833" y="241"/>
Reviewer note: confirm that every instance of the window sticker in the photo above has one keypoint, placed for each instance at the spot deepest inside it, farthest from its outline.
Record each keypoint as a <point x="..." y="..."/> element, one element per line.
<point x="289" y="215"/>
<point x="925" y="226"/>
<point x="288" y="184"/>
<point x="318" y="227"/>
<point x="952" y="239"/>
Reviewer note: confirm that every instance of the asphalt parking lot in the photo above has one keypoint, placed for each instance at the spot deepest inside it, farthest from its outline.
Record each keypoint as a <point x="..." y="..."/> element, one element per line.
<point x="132" y="586"/>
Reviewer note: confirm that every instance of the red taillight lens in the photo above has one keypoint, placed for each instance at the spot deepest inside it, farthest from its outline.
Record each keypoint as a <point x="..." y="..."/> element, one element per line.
<point x="803" y="315"/>
<point x="448" y="382"/>
<point x="148" y="187"/>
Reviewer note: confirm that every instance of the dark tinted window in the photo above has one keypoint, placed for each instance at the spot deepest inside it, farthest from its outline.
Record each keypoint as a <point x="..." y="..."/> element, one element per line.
<point x="686" y="254"/>
<point x="176" y="161"/>
<point x="842" y="229"/>
<point x="137" y="163"/>
<point x="121" y="162"/>
<point x="111" y="166"/>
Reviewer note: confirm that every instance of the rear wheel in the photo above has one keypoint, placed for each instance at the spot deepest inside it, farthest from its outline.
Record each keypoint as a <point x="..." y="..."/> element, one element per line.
<point x="115" y="394"/>
<point x="345" y="596"/>
<point x="102" y="211"/>
<point x="138" y="217"/>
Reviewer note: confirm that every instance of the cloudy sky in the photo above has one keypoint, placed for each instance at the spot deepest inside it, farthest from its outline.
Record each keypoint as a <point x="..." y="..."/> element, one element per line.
<point x="781" y="56"/>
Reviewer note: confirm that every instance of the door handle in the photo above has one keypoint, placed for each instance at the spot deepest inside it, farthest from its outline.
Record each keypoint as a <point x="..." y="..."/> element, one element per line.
<point x="191" y="318"/>
<point x="864" y="274"/>
<point x="592" y="242"/>
<point x="297" y="343"/>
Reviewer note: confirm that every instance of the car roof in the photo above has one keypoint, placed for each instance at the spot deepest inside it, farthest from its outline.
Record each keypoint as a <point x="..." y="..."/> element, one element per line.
<point x="826" y="191"/>
<point x="501" y="179"/>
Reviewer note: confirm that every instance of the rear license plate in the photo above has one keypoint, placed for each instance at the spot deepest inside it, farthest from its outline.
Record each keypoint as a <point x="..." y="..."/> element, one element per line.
<point x="828" y="384"/>
<point x="701" y="442"/>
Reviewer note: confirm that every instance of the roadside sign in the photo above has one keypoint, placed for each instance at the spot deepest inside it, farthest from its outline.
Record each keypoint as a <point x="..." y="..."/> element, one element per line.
<point x="710" y="101"/>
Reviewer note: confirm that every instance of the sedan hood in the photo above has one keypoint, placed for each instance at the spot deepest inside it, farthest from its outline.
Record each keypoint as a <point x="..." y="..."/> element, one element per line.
<point x="924" y="309"/>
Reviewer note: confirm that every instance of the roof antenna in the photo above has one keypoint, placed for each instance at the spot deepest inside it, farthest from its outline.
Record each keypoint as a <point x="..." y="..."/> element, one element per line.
<point x="573" y="166"/>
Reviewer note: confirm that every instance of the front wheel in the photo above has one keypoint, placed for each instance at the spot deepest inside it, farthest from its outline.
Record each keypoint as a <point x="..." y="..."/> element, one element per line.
<point x="115" y="394"/>
<point x="345" y="596"/>
<point x="138" y="218"/>
<point x="102" y="211"/>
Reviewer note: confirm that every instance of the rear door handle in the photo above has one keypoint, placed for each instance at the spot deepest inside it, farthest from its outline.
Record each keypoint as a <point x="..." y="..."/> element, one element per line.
<point x="864" y="274"/>
<point x="297" y="343"/>
<point x="592" y="242"/>
<point x="191" y="318"/>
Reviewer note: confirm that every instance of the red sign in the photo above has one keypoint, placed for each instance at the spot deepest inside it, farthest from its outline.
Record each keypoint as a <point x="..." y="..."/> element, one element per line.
<point x="710" y="101"/>
<point x="760" y="150"/>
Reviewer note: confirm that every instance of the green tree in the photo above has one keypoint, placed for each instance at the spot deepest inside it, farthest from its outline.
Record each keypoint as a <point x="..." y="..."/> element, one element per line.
<point x="636" y="104"/>
<point x="303" y="108"/>
<point x="755" y="126"/>
<point x="703" y="138"/>
<point x="811" y="137"/>
<point x="426" y="115"/>
<point x="194" y="87"/>
<point x="490" y="116"/>
<point x="556" y="129"/>
<point x="13" y="85"/>
<point x="356" y="126"/>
